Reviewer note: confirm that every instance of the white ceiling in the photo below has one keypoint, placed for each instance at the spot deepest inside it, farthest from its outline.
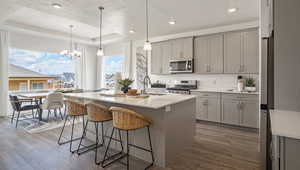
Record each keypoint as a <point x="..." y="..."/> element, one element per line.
<point x="122" y="15"/>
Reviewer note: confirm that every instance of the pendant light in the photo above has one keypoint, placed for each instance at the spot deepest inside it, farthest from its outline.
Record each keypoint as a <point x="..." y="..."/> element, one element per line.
<point x="100" y="52"/>
<point x="147" y="45"/>
<point x="72" y="53"/>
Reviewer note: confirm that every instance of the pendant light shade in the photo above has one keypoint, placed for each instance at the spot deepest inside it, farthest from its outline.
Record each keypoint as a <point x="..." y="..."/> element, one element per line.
<point x="100" y="51"/>
<point x="147" y="45"/>
<point x="72" y="53"/>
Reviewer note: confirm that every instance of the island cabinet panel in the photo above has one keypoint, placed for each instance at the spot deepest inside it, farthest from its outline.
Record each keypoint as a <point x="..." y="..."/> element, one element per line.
<point x="209" y="54"/>
<point x="241" y="51"/>
<point x="208" y="106"/>
<point x="160" y="57"/>
<point x="182" y="48"/>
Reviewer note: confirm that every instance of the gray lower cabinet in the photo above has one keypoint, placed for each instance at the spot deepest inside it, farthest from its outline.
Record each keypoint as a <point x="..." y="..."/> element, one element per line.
<point x="240" y="110"/>
<point x="232" y="109"/>
<point x="285" y="153"/>
<point x="208" y="106"/>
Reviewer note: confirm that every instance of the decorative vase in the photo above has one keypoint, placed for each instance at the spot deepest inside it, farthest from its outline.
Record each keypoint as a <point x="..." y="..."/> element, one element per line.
<point x="250" y="89"/>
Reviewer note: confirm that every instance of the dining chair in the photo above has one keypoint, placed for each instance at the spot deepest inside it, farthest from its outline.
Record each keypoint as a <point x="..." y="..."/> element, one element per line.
<point x="54" y="101"/>
<point x="18" y="106"/>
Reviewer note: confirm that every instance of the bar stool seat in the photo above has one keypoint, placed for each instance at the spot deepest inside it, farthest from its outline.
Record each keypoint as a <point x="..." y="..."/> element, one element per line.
<point x="128" y="120"/>
<point x="97" y="113"/>
<point x="74" y="109"/>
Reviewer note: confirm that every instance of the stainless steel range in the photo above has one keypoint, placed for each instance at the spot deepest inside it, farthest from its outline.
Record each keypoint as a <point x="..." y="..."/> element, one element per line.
<point x="182" y="87"/>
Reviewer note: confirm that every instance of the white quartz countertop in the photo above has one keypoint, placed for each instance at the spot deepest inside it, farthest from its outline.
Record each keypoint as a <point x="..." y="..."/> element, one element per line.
<point x="153" y="101"/>
<point x="285" y="123"/>
<point x="223" y="90"/>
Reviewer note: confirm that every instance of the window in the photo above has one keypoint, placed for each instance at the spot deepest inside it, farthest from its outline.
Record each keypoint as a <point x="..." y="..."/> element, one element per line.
<point x="111" y="66"/>
<point x="23" y="87"/>
<point x="56" y="71"/>
<point x="36" y="86"/>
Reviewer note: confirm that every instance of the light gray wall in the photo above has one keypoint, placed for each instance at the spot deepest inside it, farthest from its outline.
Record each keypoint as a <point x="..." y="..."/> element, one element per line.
<point x="287" y="54"/>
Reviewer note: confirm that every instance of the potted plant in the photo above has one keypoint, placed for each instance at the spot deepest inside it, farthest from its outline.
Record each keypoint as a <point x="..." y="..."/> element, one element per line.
<point x="250" y="84"/>
<point x="125" y="83"/>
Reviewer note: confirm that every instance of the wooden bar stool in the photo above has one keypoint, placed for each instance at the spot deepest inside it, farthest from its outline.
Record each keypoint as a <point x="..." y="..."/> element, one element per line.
<point x="74" y="109"/>
<point x="97" y="113"/>
<point x="128" y="120"/>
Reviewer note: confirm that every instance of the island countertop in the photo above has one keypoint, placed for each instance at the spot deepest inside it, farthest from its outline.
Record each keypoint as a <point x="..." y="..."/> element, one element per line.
<point x="153" y="101"/>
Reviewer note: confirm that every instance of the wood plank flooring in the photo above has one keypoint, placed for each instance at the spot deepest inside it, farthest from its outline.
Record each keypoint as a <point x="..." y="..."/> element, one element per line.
<point x="215" y="148"/>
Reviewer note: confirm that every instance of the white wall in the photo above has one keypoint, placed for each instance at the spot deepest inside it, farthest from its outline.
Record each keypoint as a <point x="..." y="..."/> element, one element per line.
<point x="43" y="44"/>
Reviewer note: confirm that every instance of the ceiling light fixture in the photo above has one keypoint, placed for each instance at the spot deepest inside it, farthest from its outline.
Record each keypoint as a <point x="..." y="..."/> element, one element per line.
<point x="72" y="53"/>
<point x="172" y="22"/>
<point x="56" y="5"/>
<point x="147" y="45"/>
<point x="100" y="51"/>
<point x="232" y="10"/>
<point x="131" y="31"/>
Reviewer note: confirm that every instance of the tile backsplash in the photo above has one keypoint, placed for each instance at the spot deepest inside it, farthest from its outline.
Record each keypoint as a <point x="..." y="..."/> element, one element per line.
<point x="206" y="81"/>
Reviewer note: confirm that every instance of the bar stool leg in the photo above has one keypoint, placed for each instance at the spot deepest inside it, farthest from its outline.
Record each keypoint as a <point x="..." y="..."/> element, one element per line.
<point x="84" y="131"/>
<point x="127" y="154"/>
<point x="151" y="150"/>
<point x="62" y="130"/>
<point x="13" y="116"/>
<point x="97" y="142"/>
<point x="72" y="135"/>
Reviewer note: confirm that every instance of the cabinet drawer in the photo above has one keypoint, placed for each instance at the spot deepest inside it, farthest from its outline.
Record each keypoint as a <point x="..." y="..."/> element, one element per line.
<point x="207" y="94"/>
<point x="240" y="96"/>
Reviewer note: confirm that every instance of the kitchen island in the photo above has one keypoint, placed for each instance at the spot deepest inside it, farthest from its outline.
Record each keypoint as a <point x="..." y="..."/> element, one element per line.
<point x="173" y="117"/>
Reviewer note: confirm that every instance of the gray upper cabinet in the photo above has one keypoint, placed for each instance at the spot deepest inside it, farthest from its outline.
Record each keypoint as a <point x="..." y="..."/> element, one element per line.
<point x="250" y="51"/>
<point x="209" y="54"/>
<point x="232" y="52"/>
<point x="160" y="57"/>
<point x="156" y="55"/>
<point x="241" y="52"/>
<point x="182" y="48"/>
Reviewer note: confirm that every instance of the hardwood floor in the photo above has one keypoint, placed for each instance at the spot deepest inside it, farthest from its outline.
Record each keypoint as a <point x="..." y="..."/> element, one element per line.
<point x="215" y="148"/>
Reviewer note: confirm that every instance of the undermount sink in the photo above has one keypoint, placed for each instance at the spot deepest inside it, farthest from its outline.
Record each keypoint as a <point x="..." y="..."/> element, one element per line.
<point x="155" y="94"/>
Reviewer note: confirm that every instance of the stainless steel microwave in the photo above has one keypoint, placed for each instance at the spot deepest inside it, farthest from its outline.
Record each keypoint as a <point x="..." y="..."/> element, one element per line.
<point x="181" y="66"/>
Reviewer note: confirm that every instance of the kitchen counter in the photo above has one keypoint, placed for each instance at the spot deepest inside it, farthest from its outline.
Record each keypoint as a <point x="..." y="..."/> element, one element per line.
<point x="173" y="117"/>
<point x="154" y="101"/>
<point x="220" y="90"/>
<point x="285" y="123"/>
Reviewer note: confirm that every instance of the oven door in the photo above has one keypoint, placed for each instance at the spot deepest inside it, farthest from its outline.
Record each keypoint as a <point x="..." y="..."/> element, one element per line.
<point x="181" y="66"/>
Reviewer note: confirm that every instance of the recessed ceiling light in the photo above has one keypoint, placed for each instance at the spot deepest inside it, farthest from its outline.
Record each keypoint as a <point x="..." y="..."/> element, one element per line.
<point x="131" y="31"/>
<point x="172" y="22"/>
<point x="232" y="10"/>
<point x="56" y="5"/>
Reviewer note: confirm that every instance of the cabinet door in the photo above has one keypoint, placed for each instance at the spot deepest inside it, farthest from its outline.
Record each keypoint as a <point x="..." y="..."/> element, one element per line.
<point x="216" y="54"/>
<point x="213" y="110"/>
<point x="177" y="49"/>
<point x="188" y="48"/>
<point x="156" y="59"/>
<point x="249" y="113"/>
<point x="230" y="112"/>
<point x="202" y="54"/>
<point x="166" y="56"/>
<point x="203" y="109"/>
<point x="250" y="51"/>
<point x="232" y="55"/>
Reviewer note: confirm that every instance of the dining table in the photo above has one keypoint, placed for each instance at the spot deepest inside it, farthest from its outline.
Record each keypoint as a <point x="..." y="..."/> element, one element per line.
<point x="39" y="98"/>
